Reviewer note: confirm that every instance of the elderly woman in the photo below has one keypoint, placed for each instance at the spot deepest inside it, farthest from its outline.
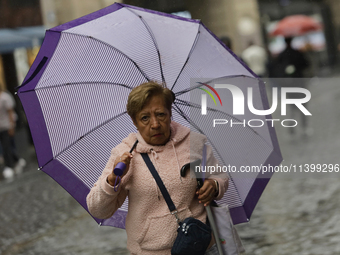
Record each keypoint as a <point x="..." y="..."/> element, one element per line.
<point x="150" y="227"/>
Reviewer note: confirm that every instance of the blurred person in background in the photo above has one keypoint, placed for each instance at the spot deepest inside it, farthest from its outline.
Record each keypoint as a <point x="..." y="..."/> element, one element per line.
<point x="256" y="58"/>
<point x="290" y="65"/>
<point x="227" y="41"/>
<point x="12" y="163"/>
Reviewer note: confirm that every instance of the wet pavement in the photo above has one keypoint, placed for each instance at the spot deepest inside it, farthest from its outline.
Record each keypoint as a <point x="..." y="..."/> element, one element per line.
<point x="37" y="216"/>
<point x="299" y="213"/>
<point x="295" y="215"/>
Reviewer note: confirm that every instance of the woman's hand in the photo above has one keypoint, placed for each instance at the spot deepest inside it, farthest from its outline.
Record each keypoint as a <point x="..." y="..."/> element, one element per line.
<point x="207" y="192"/>
<point x="125" y="158"/>
<point x="11" y="132"/>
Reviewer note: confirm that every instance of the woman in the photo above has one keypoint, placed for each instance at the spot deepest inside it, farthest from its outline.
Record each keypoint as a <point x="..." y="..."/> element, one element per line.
<point x="150" y="227"/>
<point x="7" y="127"/>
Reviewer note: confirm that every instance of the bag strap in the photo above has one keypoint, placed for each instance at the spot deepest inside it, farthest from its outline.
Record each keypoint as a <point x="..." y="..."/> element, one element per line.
<point x="160" y="184"/>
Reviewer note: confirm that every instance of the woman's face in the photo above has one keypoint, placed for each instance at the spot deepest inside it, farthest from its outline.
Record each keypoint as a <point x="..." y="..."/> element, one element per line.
<point x="153" y="121"/>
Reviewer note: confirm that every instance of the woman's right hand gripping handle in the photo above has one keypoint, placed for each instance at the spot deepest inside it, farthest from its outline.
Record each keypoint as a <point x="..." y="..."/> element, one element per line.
<point x="124" y="158"/>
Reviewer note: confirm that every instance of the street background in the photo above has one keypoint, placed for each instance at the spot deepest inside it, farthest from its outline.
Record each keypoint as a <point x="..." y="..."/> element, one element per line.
<point x="297" y="214"/>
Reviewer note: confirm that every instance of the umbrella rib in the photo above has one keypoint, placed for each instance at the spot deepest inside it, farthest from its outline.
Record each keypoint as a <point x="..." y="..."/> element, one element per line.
<point x="190" y="52"/>
<point x="110" y="46"/>
<point x="182" y="102"/>
<point x="200" y="85"/>
<point x="190" y="104"/>
<point x="215" y="110"/>
<point x="77" y="83"/>
<point x="180" y="112"/>
<point x="83" y="136"/>
<point x="186" y="103"/>
<point x="154" y="41"/>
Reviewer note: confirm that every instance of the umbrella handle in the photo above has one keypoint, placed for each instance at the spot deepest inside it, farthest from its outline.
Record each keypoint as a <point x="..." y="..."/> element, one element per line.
<point x="116" y="186"/>
<point x="119" y="169"/>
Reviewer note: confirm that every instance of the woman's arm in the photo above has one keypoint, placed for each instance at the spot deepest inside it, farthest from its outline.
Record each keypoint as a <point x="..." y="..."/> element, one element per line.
<point x="103" y="201"/>
<point x="11" y="131"/>
<point x="216" y="184"/>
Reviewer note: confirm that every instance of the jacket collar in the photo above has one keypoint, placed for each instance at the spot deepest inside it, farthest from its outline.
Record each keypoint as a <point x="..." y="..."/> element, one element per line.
<point x="178" y="133"/>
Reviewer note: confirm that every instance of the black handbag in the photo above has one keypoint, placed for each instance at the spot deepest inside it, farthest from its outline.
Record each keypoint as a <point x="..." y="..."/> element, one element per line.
<point x="193" y="235"/>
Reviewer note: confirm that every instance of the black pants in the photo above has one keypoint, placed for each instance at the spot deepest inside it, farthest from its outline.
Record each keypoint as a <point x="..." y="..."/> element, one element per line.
<point x="5" y="140"/>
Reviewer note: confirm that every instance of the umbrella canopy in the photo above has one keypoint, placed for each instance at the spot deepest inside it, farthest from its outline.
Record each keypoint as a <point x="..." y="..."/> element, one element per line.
<point x="75" y="97"/>
<point x="296" y="25"/>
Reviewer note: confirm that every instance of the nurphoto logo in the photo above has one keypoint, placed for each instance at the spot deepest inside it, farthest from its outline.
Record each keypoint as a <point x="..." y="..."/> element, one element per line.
<point x="238" y="104"/>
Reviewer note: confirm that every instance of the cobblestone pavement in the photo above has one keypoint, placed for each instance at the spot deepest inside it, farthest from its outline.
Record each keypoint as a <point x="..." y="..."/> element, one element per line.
<point x="297" y="214"/>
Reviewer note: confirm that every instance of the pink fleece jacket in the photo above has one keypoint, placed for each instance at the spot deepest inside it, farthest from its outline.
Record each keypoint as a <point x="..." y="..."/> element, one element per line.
<point x="150" y="227"/>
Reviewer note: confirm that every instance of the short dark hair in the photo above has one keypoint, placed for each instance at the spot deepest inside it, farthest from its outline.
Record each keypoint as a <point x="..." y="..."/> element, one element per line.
<point x="140" y="95"/>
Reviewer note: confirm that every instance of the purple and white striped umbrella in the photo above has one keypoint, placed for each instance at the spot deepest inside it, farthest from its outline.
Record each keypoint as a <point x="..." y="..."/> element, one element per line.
<point x="75" y="96"/>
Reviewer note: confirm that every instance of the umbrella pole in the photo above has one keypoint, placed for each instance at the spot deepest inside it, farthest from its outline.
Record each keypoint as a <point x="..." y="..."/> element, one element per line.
<point x="214" y="229"/>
